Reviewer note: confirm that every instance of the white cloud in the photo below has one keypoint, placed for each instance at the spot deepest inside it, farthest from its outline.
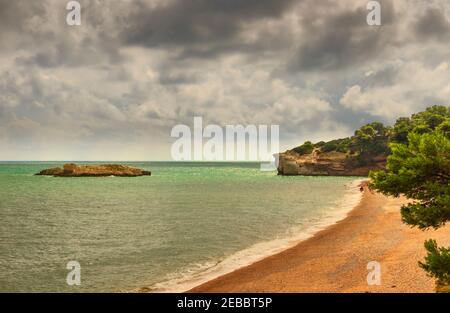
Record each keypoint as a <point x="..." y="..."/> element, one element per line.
<point x="415" y="87"/>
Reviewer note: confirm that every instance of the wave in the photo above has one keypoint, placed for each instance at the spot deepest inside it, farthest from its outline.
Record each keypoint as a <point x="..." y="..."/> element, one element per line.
<point x="202" y="273"/>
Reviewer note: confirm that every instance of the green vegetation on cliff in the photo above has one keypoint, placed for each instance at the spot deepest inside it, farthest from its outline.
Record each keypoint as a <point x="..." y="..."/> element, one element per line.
<point x="306" y="148"/>
<point x="374" y="139"/>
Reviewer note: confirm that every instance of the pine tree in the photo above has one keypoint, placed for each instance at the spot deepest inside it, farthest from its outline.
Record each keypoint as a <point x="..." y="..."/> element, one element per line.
<point x="420" y="170"/>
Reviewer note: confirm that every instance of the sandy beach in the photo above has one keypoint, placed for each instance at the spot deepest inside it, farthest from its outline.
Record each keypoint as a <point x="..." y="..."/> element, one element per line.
<point x="335" y="259"/>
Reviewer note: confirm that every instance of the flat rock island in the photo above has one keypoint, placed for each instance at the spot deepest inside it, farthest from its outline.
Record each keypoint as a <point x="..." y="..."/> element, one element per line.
<point x="73" y="170"/>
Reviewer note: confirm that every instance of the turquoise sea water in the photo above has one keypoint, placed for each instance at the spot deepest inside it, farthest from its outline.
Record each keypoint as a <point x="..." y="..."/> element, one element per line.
<point x="187" y="222"/>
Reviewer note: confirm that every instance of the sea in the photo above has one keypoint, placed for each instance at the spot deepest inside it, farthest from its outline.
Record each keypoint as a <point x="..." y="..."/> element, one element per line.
<point x="186" y="224"/>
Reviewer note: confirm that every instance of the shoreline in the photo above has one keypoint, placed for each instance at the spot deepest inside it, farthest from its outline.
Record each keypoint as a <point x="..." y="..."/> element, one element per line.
<point x="259" y="251"/>
<point x="335" y="259"/>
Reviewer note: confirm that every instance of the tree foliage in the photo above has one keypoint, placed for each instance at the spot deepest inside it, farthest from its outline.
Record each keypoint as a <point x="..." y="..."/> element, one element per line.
<point x="437" y="262"/>
<point x="372" y="139"/>
<point x="434" y="117"/>
<point x="305" y="148"/>
<point x="339" y="145"/>
<point x="420" y="171"/>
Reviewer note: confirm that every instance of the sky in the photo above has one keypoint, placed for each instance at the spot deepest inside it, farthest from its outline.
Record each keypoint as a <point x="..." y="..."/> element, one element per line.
<point x="114" y="87"/>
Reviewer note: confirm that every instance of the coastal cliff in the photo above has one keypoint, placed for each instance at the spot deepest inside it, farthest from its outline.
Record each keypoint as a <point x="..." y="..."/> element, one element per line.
<point x="332" y="163"/>
<point x="365" y="151"/>
<point x="73" y="170"/>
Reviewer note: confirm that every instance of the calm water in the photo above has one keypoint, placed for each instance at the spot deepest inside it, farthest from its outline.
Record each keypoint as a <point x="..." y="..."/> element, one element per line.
<point x="183" y="223"/>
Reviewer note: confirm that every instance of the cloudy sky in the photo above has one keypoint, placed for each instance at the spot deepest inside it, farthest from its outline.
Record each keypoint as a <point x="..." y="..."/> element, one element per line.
<point x="113" y="88"/>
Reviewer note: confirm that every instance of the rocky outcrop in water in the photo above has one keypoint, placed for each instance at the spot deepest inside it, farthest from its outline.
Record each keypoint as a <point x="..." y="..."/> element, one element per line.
<point x="326" y="164"/>
<point x="73" y="170"/>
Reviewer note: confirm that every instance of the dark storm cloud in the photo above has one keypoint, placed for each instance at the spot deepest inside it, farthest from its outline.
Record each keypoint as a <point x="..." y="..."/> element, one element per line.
<point x="39" y="29"/>
<point x="200" y="27"/>
<point x="432" y="24"/>
<point x="342" y="39"/>
<point x="186" y="29"/>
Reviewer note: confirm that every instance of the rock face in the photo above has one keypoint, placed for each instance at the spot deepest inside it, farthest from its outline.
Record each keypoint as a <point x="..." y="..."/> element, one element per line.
<point x="73" y="170"/>
<point x="325" y="164"/>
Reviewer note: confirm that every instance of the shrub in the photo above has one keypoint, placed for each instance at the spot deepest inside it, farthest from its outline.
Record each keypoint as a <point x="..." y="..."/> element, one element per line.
<point x="306" y="148"/>
<point x="437" y="265"/>
<point x="339" y="145"/>
<point x="319" y="144"/>
<point x="328" y="147"/>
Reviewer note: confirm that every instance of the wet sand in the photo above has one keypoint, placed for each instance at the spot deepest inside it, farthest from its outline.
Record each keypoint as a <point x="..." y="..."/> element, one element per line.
<point x="335" y="259"/>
